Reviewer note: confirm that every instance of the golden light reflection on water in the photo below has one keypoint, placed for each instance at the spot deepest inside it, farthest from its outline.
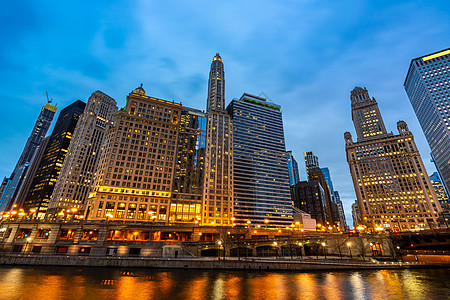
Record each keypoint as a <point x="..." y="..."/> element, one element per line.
<point x="71" y="283"/>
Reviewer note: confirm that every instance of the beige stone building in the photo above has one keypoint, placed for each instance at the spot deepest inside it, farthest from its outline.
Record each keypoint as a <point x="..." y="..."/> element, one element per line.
<point x="76" y="179"/>
<point x="217" y="206"/>
<point x="393" y="190"/>
<point x="137" y="165"/>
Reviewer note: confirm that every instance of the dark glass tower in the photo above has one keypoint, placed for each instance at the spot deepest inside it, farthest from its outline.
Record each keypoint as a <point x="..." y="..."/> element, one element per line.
<point x="428" y="86"/>
<point x="188" y="182"/>
<point x="261" y="177"/>
<point x="293" y="168"/>
<point x="52" y="160"/>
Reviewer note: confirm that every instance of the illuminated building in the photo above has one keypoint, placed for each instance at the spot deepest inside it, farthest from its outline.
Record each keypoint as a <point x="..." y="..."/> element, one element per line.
<point x="315" y="174"/>
<point x="440" y="194"/>
<point x="137" y="162"/>
<point x="13" y="184"/>
<point x="292" y="168"/>
<point x="428" y="86"/>
<point x="355" y="214"/>
<point x="392" y="187"/>
<point x="52" y="160"/>
<point x="186" y="204"/>
<point x="310" y="198"/>
<point x="218" y="182"/>
<point x="77" y="173"/>
<point x="261" y="176"/>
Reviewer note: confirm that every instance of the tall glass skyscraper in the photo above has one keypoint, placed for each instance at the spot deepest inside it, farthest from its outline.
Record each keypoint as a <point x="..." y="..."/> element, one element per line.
<point x="428" y="86"/>
<point x="294" y="176"/>
<point x="261" y="177"/>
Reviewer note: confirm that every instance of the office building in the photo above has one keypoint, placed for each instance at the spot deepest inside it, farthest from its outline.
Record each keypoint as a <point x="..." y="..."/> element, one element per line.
<point x="327" y="176"/>
<point x="310" y="198"/>
<point x="52" y="160"/>
<point x="261" y="176"/>
<point x="428" y="86"/>
<point x="355" y="214"/>
<point x="13" y="185"/>
<point x="440" y="194"/>
<point x="292" y="168"/>
<point x="315" y="174"/>
<point x="340" y="207"/>
<point x="186" y="203"/>
<point x="218" y="173"/>
<point x="392" y="187"/>
<point x="76" y="180"/>
<point x="137" y="162"/>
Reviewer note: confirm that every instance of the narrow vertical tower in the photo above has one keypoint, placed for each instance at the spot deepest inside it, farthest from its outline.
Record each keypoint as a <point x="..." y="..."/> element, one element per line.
<point x="77" y="174"/>
<point x="217" y="206"/>
<point x="366" y="116"/>
<point x="216" y="86"/>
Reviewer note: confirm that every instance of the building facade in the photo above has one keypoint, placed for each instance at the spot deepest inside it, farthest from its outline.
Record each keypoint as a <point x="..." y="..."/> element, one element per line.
<point x="441" y="195"/>
<point x="217" y="208"/>
<point x="392" y="187"/>
<point x="294" y="176"/>
<point x="428" y="86"/>
<point x="340" y="207"/>
<point x="50" y="166"/>
<point x="261" y="176"/>
<point x="137" y="163"/>
<point x="76" y="178"/>
<point x="187" y="196"/>
<point x="310" y="197"/>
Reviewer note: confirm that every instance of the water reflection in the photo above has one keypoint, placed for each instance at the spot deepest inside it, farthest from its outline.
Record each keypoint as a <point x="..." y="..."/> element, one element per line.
<point x="98" y="283"/>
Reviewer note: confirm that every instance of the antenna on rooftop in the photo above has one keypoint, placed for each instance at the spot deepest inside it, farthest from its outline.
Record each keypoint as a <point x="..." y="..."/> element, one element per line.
<point x="264" y="95"/>
<point x="49" y="100"/>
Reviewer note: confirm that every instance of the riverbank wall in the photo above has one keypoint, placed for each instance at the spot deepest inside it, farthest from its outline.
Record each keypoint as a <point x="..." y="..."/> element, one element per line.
<point x="229" y="264"/>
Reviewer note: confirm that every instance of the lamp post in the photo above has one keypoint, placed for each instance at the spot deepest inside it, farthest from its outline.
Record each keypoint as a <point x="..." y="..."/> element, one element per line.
<point x="350" y="250"/>
<point x="218" y="252"/>
<point x="324" y="250"/>
<point x="26" y="245"/>
<point x="276" y="248"/>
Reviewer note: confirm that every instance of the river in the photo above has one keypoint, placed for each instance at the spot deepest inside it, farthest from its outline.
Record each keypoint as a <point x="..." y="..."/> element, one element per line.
<point x="42" y="283"/>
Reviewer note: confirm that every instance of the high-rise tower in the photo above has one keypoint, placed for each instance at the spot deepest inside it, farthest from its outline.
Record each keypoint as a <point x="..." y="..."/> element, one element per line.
<point x="294" y="176"/>
<point x="261" y="176"/>
<point x="38" y="133"/>
<point x="218" y="174"/>
<point x="216" y="86"/>
<point x="392" y="187"/>
<point x="77" y="174"/>
<point x="366" y="115"/>
<point x="428" y="87"/>
<point x="44" y="181"/>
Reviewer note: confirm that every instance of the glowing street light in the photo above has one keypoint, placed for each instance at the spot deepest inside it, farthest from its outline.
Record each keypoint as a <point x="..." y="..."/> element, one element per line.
<point x="349" y="249"/>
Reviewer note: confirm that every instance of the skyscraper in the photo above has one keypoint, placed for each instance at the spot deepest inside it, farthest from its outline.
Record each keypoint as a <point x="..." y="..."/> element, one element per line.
<point x="391" y="184"/>
<point x="310" y="198"/>
<point x="292" y="168"/>
<point x="440" y="194"/>
<point x="76" y="179"/>
<point x="340" y="206"/>
<point x="218" y="174"/>
<point x="261" y="176"/>
<point x="315" y="174"/>
<point x="186" y="203"/>
<point x="137" y="162"/>
<point x="428" y="86"/>
<point x="12" y="186"/>
<point x="44" y="181"/>
<point x="327" y="175"/>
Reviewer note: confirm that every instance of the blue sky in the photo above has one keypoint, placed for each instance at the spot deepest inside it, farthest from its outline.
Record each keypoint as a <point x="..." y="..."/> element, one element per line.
<point x="304" y="55"/>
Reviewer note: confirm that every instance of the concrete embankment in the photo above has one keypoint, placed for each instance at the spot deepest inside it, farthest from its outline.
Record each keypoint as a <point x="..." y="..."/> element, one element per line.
<point x="185" y="263"/>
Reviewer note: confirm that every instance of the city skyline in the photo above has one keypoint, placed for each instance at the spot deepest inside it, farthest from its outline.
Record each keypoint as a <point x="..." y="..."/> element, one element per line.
<point x="293" y="83"/>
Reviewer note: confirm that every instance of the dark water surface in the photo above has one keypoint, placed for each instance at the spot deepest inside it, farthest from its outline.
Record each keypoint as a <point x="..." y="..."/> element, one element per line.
<point x="41" y="283"/>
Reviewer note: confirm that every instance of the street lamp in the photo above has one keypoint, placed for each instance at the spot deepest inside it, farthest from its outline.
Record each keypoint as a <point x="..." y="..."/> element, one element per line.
<point x="350" y="250"/>
<point x="218" y="252"/>
<point x="324" y="250"/>
<point x="26" y="246"/>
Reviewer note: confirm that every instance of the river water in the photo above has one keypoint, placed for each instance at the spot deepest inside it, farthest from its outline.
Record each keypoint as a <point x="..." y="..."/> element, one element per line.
<point x="42" y="283"/>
